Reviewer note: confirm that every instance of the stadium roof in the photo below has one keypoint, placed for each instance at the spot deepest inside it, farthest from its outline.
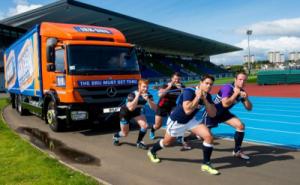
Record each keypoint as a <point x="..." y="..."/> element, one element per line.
<point x="151" y="37"/>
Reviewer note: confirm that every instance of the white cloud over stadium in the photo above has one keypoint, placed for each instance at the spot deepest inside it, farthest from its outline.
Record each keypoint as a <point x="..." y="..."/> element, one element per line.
<point x="280" y="35"/>
<point x="281" y="27"/>
<point x="20" y="7"/>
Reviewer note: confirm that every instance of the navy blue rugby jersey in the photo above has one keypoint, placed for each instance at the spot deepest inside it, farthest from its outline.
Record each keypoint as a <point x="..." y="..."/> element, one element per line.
<point x="141" y="100"/>
<point x="178" y="113"/>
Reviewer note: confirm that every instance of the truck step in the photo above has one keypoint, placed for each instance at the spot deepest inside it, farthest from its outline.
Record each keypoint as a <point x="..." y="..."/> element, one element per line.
<point x="62" y="117"/>
<point x="62" y="106"/>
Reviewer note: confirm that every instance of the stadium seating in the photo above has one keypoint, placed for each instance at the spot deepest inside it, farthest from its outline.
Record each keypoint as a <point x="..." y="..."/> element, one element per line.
<point x="163" y="67"/>
<point x="148" y="72"/>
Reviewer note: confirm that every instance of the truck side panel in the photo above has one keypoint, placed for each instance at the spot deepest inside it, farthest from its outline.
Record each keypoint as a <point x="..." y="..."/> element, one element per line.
<point x="22" y="66"/>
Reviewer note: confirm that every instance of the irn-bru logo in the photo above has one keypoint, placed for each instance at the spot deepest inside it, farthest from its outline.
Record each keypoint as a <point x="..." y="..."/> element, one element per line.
<point x="92" y="30"/>
<point x="10" y="69"/>
<point x="25" y="65"/>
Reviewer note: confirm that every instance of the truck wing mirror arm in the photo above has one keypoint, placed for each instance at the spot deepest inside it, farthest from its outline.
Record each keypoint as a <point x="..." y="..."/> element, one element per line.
<point x="50" y="49"/>
<point x="50" y="67"/>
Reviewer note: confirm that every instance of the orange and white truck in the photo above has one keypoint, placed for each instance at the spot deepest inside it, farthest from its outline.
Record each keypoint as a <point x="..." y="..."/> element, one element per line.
<point x="67" y="73"/>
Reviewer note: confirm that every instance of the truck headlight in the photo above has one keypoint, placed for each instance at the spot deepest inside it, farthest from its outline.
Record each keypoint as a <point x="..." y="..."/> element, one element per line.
<point x="79" y="115"/>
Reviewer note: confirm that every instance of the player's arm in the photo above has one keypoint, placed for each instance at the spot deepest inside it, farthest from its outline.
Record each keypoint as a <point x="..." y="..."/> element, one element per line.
<point x="164" y="90"/>
<point x="228" y="101"/>
<point x="151" y="102"/>
<point x="132" y="101"/>
<point x="190" y="106"/>
<point x="246" y="102"/>
<point x="210" y="107"/>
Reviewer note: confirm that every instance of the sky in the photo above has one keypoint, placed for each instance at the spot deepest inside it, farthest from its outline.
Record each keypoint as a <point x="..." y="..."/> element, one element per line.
<point x="275" y="24"/>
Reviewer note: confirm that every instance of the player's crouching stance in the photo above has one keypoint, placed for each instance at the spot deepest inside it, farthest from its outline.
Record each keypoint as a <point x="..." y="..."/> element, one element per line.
<point x="228" y="96"/>
<point x="132" y="110"/>
<point x="183" y="118"/>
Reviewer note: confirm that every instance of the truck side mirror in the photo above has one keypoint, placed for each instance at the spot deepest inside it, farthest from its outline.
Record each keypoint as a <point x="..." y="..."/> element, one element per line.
<point x="140" y="52"/>
<point x="50" y="49"/>
<point x="50" y="67"/>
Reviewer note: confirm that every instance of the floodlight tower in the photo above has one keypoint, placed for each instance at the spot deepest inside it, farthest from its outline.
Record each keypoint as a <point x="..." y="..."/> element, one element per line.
<point x="249" y="32"/>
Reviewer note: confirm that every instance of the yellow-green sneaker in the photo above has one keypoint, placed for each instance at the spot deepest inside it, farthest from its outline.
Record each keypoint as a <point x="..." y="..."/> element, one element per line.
<point x="153" y="158"/>
<point x="209" y="169"/>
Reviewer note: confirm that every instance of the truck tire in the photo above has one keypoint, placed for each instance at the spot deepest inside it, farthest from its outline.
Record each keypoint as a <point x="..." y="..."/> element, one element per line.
<point x="13" y="101"/>
<point x="18" y="104"/>
<point x="51" y="117"/>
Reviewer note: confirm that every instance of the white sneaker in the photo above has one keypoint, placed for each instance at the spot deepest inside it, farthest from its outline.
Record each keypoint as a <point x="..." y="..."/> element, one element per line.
<point x="241" y="155"/>
<point x="185" y="146"/>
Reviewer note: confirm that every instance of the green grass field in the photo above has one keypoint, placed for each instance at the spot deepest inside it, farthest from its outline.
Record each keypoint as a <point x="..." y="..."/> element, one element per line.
<point x="251" y="79"/>
<point x="22" y="164"/>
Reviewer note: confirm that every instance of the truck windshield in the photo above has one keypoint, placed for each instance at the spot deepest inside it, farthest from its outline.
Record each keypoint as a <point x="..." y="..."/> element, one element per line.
<point x="93" y="60"/>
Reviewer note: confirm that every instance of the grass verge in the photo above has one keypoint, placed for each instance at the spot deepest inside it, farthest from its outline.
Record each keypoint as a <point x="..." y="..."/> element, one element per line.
<point x="22" y="164"/>
<point x="220" y="81"/>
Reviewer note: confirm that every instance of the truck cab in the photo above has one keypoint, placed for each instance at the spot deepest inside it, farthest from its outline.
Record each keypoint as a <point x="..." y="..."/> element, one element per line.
<point x="80" y="72"/>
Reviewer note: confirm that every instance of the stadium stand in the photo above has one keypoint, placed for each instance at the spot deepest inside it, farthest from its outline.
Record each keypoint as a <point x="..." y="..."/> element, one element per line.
<point x="149" y="72"/>
<point x="157" y="66"/>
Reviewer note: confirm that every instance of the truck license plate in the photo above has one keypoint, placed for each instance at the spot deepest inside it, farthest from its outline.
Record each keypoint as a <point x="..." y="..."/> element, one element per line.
<point x="111" y="110"/>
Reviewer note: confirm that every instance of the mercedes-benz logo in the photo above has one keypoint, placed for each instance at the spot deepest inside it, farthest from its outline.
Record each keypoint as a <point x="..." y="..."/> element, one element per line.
<point x="111" y="91"/>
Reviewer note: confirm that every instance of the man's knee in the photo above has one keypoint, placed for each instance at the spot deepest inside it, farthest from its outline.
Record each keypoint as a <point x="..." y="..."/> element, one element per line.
<point x="144" y="126"/>
<point x="167" y="142"/>
<point x="240" y="127"/>
<point x="208" y="138"/>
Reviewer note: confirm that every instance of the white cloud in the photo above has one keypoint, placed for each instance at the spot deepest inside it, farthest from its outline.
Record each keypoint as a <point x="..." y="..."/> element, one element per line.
<point x="260" y="49"/>
<point x="281" y="27"/>
<point x="281" y="35"/>
<point x="20" y="7"/>
<point x="279" y="44"/>
<point x="228" y="58"/>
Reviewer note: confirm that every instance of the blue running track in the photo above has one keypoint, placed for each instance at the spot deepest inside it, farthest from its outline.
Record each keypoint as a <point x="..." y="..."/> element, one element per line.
<point x="273" y="121"/>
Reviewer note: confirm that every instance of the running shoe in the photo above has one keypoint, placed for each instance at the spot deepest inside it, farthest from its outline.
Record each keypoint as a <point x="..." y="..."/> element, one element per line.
<point x="152" y="135"/>
<point x="185" y="146"/>
<point x="141" y="145"/>
<point x="241" y="155"/>
<point x="209" y="169"/>
<point x="116" y="141"/>
<point x="153" y="157"/>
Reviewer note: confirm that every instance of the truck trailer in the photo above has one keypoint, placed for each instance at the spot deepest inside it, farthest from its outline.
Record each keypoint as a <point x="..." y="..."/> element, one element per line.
<point x="66" y="73"/>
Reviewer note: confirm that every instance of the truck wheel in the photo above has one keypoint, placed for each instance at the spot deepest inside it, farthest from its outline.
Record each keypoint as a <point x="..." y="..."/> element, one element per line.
<point x="13" y="101"/>
<point x="51" y="117"/>
<point x="18" y="105"/>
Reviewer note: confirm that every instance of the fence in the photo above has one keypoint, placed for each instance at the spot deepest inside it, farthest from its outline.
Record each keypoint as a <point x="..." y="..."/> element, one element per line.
<point x="278" y="77"/>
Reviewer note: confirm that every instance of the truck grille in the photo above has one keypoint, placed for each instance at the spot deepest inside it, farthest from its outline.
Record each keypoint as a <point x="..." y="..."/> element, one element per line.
<point x="111" y="95"/>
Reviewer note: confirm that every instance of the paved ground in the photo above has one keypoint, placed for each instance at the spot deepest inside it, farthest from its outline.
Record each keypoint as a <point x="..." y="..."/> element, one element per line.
<point x="92" y="152"/>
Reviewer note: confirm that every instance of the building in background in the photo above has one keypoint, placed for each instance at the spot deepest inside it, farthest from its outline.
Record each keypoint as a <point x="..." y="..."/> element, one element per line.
<point x="252" y="58"/>
<point x="294" y="56"/>
<point x="276" y="57"/>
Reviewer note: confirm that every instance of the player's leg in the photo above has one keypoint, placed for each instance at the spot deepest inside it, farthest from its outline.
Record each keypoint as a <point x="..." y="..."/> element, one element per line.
<point x="142" y="122"/>
<point x="202" y="131"/>
<point x="238" y="136"/>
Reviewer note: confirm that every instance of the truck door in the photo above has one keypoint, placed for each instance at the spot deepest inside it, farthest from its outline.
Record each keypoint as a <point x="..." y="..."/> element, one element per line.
<point x="60" y="70"/>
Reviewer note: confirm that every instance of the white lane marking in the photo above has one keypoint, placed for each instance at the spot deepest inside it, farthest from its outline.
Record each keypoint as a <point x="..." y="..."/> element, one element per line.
<point x="272" y="121"/>
<point x="280" y="115"/>
<point x="257" y="109"/>
<point x="262" y="142"/>
<point x="272" y="130"/>
<point x="273" y="106"/>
